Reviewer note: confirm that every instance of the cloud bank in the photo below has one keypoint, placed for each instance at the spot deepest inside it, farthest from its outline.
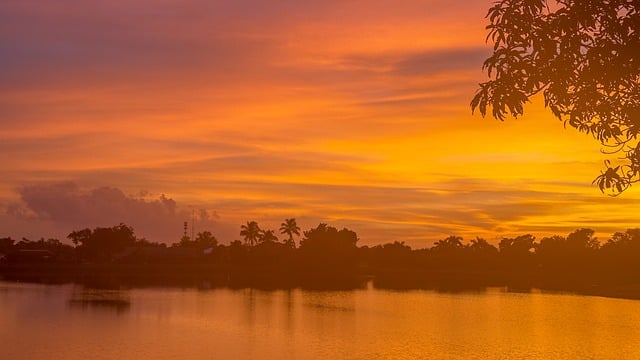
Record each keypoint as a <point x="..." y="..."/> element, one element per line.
<point x="70" y="207"/>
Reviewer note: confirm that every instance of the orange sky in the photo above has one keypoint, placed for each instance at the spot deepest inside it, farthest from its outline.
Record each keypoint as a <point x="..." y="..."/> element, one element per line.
<point x="354" y="113"/>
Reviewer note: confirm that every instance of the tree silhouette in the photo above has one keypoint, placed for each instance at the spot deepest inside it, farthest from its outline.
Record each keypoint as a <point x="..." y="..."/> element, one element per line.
<point x="328" y="237"/>
<point x="553" y="249"/>
<point x="203" y="240"/>
<point x="185" y="241"/>
<point x="328" y="251"/>
<point x="481" y="246"/>
<point x="290" y="227"/>
<point x="330" y="258"/>
<point x="5" y="244"/>
<point x="251" y="233"/>
<point x="450" y="243"/>
<point x="103" y="243"/>
<point x="582" y="240"/>
<point x="206" y="240"/>
<point x="621" y="254"/>
<point x="583" y="56"/>
<point x="522" y="245"/>
<point x="268" y="236"/>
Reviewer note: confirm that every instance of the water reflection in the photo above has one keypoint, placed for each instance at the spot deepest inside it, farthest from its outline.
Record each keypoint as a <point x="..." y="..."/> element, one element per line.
<point x="300" y="324"/>
<point x="92" y="298"/>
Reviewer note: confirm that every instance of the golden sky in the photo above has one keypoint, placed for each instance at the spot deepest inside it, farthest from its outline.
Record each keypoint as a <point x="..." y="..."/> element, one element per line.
<point x="351" y="112"/>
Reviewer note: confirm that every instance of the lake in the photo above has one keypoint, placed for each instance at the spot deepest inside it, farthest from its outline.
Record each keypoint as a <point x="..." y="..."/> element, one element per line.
<point x="73" y="322"/>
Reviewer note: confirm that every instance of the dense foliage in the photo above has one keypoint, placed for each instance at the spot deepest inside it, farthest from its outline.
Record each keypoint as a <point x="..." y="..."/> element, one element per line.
<point x="328" y="257"/>
<point x="584" y="57"/>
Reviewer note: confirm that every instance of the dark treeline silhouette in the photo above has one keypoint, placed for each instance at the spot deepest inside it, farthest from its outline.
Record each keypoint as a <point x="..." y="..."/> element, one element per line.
<point x="330" y="258"/>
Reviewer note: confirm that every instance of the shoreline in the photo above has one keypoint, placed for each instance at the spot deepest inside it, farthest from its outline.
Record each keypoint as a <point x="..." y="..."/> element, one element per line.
<point x="211" y="276"/>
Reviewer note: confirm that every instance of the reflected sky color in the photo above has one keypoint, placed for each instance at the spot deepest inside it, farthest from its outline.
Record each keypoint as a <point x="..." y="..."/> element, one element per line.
<point x="297" y="324"/>
<point x="349" y="112"/>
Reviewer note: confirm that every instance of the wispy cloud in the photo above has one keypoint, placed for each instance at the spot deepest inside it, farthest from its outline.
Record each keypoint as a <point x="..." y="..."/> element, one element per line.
<point x="353" y="112"/>
<point x="417" y="215"/>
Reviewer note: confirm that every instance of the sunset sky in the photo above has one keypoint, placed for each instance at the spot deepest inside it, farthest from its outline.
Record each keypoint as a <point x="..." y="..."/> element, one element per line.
<point x="351" y="112"/>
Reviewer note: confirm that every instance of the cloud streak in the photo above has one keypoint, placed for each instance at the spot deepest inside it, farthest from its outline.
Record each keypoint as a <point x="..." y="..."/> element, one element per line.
<point x="417" y="215"/>
<point x="352" y="112"/>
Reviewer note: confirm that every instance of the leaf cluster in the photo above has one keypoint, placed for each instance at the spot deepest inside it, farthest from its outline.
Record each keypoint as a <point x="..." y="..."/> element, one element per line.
<point x="584" y="57"/>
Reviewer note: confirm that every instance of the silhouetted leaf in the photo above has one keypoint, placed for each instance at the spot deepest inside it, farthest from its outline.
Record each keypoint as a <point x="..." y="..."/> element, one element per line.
<point x="583" y="55"/>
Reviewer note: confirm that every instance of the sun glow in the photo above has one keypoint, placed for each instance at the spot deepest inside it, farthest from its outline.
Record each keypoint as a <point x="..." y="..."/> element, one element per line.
<point x="330" y="112"/>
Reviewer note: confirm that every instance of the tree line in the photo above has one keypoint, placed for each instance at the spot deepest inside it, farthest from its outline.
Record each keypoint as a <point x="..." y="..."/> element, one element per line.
<point x="326" y="256"/>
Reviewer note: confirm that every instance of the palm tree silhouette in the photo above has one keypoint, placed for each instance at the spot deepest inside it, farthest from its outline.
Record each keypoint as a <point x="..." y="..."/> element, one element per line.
<point x="251" y="233"/>
<point x="479" y="244"/>
<point x="450" y="243"/>
<point x="268" y="236"/>
<point x="290" y="227"/>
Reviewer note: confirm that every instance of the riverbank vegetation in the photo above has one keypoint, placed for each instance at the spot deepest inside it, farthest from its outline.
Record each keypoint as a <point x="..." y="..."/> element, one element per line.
<point x="326" y="257"/>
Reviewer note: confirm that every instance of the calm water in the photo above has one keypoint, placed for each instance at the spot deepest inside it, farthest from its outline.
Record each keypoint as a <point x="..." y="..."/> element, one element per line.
<point x="70" y="322"/>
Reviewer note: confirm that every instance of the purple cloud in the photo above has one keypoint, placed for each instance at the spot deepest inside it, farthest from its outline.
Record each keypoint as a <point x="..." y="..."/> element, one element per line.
<point x="71" y="207"/>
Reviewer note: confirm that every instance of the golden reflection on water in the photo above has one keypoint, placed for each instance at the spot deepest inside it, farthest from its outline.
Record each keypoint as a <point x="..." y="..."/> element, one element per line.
<point x="40" y="322"/>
